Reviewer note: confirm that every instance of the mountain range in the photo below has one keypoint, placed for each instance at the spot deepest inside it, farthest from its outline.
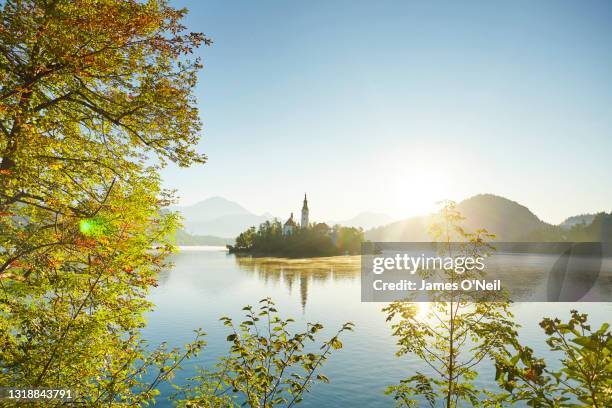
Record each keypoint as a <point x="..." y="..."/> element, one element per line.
<point x="219" y="217"/>
<point x="507" y="219"/>
<point x="216" y="217"/>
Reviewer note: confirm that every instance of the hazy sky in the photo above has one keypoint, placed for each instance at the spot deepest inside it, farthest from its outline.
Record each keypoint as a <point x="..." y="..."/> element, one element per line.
<point x="392" y="106"/>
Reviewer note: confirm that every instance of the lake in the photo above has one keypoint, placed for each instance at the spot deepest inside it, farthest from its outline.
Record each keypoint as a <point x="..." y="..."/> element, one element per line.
<point x="207" y="283"/>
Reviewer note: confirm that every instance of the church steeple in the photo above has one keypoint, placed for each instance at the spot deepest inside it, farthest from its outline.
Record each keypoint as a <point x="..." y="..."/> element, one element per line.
<point x="304" y="223"/>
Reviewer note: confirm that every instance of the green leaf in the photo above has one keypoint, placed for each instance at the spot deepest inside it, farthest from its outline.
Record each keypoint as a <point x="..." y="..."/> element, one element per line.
<point x="322" y="378"/>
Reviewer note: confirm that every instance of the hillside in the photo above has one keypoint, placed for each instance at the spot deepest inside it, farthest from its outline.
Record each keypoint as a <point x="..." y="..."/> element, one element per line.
<point x="600" y="229"/>
<point x="509" y="220"/>
<point x="584" y="219"/>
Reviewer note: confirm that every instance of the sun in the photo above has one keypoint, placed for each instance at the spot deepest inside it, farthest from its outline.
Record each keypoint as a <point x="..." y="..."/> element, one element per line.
<point x="423" y="309"/>
<point x="416" y="188"/>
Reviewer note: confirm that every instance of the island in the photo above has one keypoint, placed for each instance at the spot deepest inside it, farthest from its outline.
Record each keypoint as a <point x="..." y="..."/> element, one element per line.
<point x="290" y="240"/>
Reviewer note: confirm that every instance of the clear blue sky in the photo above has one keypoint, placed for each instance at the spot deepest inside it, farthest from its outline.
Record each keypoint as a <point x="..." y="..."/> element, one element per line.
<point x="391" y="106"/>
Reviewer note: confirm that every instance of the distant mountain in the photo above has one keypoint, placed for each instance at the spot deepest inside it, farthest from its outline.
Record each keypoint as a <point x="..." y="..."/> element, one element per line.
<point x="210" y="209"/>
<point x="227" y="225"/>
<point x="585" y="219"/>
<point x="184" y="238"/>
<point x="219" y="217"/>
<point x="508" y="220"/>
<point x="366" y="220"/>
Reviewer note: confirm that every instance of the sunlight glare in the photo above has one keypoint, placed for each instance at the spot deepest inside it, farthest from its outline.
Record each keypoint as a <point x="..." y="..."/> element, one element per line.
<point x="422" y="310"/>
<point x="417" y="185"/>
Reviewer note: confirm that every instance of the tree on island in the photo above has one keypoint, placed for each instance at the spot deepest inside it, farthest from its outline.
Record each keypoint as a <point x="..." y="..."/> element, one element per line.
<point x="317" y="240"/>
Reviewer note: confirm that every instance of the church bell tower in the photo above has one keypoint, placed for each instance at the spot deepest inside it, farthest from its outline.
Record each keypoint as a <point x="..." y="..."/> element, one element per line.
<point x="304" y="223"/>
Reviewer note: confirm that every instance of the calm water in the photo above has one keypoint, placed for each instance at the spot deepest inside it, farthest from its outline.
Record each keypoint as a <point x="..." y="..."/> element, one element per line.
<point x="207" y="283"/>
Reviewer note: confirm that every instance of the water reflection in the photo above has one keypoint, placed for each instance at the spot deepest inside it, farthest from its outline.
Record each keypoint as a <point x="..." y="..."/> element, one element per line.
<point x="290" y="272"/>
<point x="207" y="284"/>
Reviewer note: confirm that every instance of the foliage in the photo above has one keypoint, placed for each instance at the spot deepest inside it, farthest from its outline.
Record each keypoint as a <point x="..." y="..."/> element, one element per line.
<point x="585" y="378"/>
<point x="597" y="230"/>
<point x="317" y="240"/>
<point x="456" y="334"/>
<point x="92" y="92"/>
<point x="267" y="364"/>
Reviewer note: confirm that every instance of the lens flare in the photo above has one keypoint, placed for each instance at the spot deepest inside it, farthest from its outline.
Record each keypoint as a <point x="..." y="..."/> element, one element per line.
<point x="92" y="227"/>
<point x="85" y="226"/>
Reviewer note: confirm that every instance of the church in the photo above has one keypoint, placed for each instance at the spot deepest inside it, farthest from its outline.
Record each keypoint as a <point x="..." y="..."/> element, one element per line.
<point x="291" y="225"/>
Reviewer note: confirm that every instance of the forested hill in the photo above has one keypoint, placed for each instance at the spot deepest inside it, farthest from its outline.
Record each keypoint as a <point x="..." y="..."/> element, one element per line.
<point x="507" y="219"/>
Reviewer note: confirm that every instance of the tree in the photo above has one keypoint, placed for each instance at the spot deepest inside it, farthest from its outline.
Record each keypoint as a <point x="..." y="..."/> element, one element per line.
<point x="321" y="228"/>
<point x="267" y="364"/>
<point x="456" y="334"/>
<point x="92" y="93"/>
<point x="349" y="239"/>
<point x="585" y="378"/>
